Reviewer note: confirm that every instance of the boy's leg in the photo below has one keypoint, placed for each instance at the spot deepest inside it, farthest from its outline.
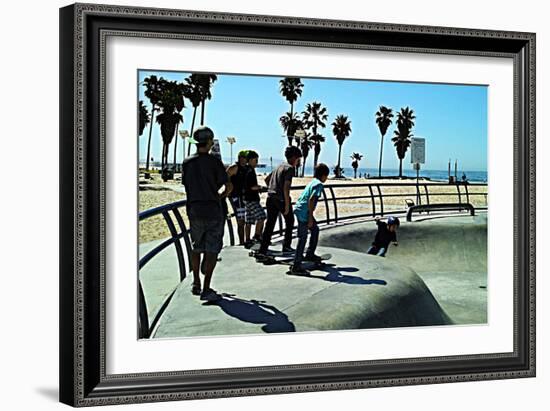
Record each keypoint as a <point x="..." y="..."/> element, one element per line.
<point x="259" y="230"/>
<point x="272" y="213"/>
<point x="196" y="266"/>
<point x="313" y="240"/>
<point x="289" y="225"/>
<point x="381" y="252"/>
<point x="302" y="238"/>
<point x="372" y="250"/>
<point x="247" y="229"/>
<point x="210" y="260"/>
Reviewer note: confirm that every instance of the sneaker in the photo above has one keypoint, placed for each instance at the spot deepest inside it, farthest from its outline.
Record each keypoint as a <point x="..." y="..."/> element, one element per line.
<point x="288" y="250"/>
<point x="298" y="270"/>
<point x="313" y="258"/>
<point x="248" y="245"/>
<point x="210" y="296"/>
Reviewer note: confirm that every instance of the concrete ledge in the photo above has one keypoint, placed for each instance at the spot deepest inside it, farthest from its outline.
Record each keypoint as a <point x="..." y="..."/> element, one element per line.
<point x="356" y="291"/>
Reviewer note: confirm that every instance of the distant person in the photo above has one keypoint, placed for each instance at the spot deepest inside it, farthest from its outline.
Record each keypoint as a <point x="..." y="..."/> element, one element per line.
<point x="278" y="201"/>
<point x="203" y="176"/>
<point x="237" y="173"/>
<point x="254" y="213"/>
<point x="464" y="178"/>
<point x="387" y="233"/>
<point x="304" y="210"/>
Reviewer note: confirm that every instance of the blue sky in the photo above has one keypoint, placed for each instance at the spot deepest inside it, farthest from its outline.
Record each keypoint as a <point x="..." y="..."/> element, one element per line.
<point x="452" y="118"/>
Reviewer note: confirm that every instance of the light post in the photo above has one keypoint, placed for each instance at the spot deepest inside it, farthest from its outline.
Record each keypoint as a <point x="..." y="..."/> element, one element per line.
<point x="184" y="134"/>
<point x="300" y="134"/>
<point x="231" y="141"/>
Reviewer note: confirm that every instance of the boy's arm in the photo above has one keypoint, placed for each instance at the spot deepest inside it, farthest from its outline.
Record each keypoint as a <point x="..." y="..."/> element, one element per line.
<point x="311" y="204"/>
<point x="267" y="179"/>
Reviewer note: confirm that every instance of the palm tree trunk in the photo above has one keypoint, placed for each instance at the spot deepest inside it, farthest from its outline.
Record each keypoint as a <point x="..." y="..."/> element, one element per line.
<point x="150" y="134"/>
<point x="355" y="172"/>
<point x="176" y="145"/>
<point x="291" y="125"/>
<point x="304" y="165"/>
<point x="202" y="112"/>
<point x="338" y="165"/>
<point x="316" y="155"/>
<point x="380" y="162"/>
<point x="400" y="167"/>
<point x="192" y="129"/>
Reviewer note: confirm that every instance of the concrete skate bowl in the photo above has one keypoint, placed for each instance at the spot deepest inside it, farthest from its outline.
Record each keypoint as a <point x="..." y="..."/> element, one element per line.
<point x="448" y="253"/>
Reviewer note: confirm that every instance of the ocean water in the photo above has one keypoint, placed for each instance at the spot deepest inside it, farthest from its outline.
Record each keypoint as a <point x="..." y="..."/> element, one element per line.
<point x="434" y="175"/>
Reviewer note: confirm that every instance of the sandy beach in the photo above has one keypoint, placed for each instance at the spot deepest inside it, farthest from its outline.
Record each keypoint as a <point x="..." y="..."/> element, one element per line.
<point x="155" y="192"/>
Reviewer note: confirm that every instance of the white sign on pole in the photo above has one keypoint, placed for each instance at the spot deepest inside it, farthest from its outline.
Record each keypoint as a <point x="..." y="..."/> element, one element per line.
<point x="418" y="150"/>
<point x="215" y="150"/>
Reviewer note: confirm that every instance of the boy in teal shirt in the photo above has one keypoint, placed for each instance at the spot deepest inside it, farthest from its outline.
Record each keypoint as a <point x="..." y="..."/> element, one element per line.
<point x="304" y="208"/>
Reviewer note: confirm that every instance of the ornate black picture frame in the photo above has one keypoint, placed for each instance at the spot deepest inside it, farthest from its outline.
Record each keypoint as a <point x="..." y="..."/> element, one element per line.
<point x="83" y="380"/>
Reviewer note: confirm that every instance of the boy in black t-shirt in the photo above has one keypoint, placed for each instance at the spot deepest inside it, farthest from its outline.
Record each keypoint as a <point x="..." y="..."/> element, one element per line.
<point x="387" y="232"/>
<point x="203" y="176"/>
<point x="254" y="213"/>
<point x="279" y="202"/>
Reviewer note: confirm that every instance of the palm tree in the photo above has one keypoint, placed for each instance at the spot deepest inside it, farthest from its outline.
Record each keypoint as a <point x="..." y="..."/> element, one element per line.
<point x="383" y="120"/>
<point x="317" y="139"/>
<point x="153" y="90"/>
<point x="313" y="118"/>
<point x="144" y="117"/>
<point x="341" y="128"/>
<point x="171" y="103"/>
<point x="402" y="136"/>
<point x="305" y="145"/>
<point x="205" y="82"/>
<point x="180" y="91"/>
<point x="291" y="88"/>
<point x="194" y="95"/>
<point x="290" y="122"/>
<point x="356" y="158"/>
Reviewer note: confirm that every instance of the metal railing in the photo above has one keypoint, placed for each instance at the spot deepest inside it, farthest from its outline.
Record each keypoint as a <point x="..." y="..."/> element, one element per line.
<point x="374" y="196"/>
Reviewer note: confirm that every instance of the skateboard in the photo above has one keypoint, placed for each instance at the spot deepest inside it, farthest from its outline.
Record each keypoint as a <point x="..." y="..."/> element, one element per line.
<point x="271" y="253"/>
<point x="308" y="265"/>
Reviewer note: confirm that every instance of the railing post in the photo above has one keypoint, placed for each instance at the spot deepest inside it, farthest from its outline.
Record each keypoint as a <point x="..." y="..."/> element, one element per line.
<point x="381" y="197"/>
<point x="335" y="206"/>
<point x="183" y="229"/>
<point x="143" y="319"/>
<point x="177" y="244"/>
<point x="326" y="205"/>
<point x="372" y="201"/>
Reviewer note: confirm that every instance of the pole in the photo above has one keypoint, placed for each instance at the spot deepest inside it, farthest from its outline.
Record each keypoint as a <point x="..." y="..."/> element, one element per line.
<point x="231" y="146"/>
<point x="456" y="175"/>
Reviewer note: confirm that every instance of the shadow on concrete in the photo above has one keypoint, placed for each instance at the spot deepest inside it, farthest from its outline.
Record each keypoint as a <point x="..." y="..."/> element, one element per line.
<point x="335" y="276"/>
<point x="255" y="312"/>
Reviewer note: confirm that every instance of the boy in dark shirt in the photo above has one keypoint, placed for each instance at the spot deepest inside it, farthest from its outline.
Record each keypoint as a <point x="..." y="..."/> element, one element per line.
<point x="237" y="173"/>
<point x="387" y="232"/>
<point x="278" y="200"/>
<point x="203" y="176"/>
<point x="254" y="213"/>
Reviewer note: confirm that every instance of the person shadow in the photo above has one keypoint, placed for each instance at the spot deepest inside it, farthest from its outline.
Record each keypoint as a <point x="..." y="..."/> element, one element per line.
<point x="335" y="275"/>
<point x="255" y="312"/>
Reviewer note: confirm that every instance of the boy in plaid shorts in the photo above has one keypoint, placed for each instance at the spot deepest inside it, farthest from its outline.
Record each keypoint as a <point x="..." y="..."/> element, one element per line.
<point x="254" y="213"/>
